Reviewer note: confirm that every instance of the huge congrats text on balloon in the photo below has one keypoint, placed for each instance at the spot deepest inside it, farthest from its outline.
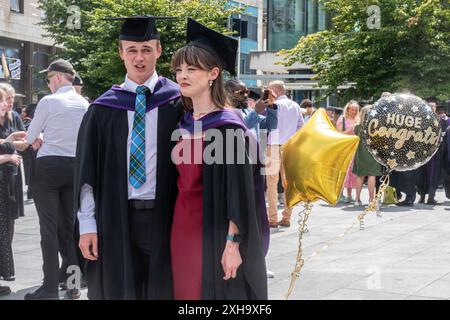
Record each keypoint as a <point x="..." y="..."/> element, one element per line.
<point x="401" y="132"/>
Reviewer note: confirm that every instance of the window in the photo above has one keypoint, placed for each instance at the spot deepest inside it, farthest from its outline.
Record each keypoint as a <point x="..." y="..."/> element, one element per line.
<point x="16" y="5"/>
<point x="289" y="20"/>
<point x="245" y="64"/>
<point x="246" y="27"/>
<point x="40" y="62"/>
<point x="252" y="31"/>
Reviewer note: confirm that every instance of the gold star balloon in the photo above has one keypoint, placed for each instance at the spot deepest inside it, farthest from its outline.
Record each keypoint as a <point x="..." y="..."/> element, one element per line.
<point x="316" y="160"/>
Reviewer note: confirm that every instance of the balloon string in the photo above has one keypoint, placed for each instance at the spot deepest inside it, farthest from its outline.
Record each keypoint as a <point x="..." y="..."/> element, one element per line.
<point x="301" y="230"/>
<point x="373" y="205"/>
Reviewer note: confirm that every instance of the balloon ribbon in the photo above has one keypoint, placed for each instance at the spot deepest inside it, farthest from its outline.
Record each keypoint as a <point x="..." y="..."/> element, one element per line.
<point x="302" y="229"/>
<point x="373" y="205"/>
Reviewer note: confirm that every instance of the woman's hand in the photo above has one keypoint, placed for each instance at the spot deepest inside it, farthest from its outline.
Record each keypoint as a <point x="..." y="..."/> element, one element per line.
<point x="21" y="145"/>
<point x="15" y="159"/>
<point x="231" y="260"/>
<point x="16" y="136"/>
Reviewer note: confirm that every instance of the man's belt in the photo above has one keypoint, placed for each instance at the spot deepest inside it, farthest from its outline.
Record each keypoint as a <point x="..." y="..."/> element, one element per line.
<point x="134" y="204"/>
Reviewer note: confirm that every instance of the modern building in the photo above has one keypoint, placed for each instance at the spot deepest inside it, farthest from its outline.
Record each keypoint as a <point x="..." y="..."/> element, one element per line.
<point x="247" y="25"/>
<point x="284" y="23"/>
<point x="23" y="49"/>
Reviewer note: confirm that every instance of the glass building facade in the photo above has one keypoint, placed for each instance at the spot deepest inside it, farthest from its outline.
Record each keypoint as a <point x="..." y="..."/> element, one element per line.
<point x="248" y="25"/>
<point x="289" y="20"/>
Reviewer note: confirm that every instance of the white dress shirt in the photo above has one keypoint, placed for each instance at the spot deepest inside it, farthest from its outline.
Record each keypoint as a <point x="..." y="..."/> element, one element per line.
<point x="58" y="116"/>
<point x="290" y="119"/>
<point x="86" y="213"/>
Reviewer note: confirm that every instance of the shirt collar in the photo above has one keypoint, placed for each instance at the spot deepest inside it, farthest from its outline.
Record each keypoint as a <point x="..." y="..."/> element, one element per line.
<point x="281" y="97"/>
<point x="65" y="88"/>
<point x="130" y="85"/>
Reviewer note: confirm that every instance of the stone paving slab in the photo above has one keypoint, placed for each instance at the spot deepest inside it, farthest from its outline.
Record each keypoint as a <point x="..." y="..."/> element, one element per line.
<point x="405" y="255"/>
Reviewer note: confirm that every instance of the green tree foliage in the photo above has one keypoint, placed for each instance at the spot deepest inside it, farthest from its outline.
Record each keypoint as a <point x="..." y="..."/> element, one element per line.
<point x="410" y="52"/>
<point x="92" y="46"/>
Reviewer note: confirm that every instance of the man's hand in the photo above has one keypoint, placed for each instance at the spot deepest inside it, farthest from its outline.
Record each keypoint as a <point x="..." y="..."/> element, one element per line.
<point x="260" y="106"/>
<point x="88" y="246"/>
<point x="37" y="144"/>
<point x="272" y="97"/>
<point x="231" y="260"/>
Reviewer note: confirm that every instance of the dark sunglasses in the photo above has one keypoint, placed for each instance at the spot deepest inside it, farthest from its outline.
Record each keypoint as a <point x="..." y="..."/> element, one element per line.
<point x="242" y="91"/>
<point x="49" y="77"/>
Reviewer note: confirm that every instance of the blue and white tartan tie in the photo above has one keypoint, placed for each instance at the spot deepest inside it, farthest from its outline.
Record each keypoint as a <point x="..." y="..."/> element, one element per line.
<point x="137" y="150"/>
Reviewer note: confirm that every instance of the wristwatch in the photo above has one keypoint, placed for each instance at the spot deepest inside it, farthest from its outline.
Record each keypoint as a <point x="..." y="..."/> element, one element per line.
<point x="234" y="237"/>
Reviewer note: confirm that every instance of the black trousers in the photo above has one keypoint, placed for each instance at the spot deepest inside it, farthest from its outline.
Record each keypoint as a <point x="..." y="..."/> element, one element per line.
<point x="53" y="196"/>
<point x="140" y="226"/>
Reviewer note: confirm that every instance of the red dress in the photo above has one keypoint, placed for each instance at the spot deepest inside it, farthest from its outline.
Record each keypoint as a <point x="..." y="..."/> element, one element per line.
<point x="186" y="236"/>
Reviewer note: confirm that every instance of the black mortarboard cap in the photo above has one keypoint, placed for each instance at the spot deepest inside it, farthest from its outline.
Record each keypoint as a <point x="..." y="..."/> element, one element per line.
<point x="139" y="28"/>
<point x="220" y="45"/>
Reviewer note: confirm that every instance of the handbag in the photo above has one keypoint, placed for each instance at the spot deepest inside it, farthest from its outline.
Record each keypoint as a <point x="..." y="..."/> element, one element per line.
<point x="390" y="195"/>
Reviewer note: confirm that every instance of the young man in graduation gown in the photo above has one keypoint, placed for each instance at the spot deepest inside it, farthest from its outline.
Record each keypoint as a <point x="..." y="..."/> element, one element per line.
<point x="126" y="181"/>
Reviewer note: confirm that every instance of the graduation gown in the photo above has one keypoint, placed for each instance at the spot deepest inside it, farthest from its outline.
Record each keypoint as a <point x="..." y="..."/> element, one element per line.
<point x="431" y="174"/>
<point x="101" y="162"/>
<point x="232" y="192"/>
<point x="446" y="165"/>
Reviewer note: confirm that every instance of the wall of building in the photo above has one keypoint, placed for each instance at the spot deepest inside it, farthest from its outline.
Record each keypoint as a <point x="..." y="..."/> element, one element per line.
<point x="25" y="49"/>
<point x="253" y="40"/>
<point x="22" y="26"/>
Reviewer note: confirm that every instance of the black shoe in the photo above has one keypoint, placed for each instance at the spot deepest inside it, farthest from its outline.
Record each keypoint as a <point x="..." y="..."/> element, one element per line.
<point x="83" y="283"/>
<point x="405" y="204"/>
<point x="4" y="290"/>
<point x="73" y="294"/>
<point x="422" y="199"/>
<point x="11" y="278"/>
<point x="432" y="202"/>
<point x="41" y="294"/>
<point x="62" y="286"/>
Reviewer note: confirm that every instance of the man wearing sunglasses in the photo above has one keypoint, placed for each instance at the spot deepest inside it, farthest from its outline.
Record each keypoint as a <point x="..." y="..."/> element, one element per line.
<point x="58" y="116"/>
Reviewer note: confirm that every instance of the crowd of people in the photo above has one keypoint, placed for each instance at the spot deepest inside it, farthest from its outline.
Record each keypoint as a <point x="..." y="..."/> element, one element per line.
<point x="113" y="198"/>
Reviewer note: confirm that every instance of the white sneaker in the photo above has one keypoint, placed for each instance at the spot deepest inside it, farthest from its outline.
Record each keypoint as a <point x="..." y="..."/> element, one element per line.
<point x="358" y="204"/>
<point x="270" y="274"/>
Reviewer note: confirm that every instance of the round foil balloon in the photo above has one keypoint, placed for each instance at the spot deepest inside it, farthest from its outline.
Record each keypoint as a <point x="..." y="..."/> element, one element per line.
<point x="401" y="132"/>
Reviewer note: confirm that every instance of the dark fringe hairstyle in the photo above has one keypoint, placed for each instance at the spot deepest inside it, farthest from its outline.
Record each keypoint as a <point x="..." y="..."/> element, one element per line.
<point x="204" y="60"/>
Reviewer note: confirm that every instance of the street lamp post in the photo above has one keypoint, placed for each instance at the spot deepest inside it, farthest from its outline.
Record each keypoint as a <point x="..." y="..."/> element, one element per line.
<point x="239" y="44"/>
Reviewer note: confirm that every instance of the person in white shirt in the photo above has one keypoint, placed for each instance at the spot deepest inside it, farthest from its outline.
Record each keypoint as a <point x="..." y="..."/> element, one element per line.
<point x="290" y="119"/>
<point x="54" y="129"/>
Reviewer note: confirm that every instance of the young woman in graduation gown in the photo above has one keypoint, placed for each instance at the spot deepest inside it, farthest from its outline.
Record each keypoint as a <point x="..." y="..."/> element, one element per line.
<point x="217" y="242"/>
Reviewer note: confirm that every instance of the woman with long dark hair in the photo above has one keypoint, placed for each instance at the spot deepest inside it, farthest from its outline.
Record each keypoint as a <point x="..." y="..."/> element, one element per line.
<point x="218" y="239"/>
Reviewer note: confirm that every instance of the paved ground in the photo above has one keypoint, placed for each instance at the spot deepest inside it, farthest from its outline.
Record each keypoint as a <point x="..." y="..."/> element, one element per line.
<point x="403" y="255"/>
